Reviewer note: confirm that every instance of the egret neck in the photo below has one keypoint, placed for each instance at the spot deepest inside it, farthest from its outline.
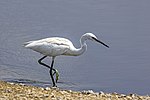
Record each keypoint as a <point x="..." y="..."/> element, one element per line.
<point x="82" y="49"/>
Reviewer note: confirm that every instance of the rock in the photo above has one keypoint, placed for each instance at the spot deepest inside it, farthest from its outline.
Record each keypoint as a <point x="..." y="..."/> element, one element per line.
<point x="101" y="93"/>
<point x="47" y="88"/>
<point x="52" y="95"/>
<point x="122" y="96"/>
<point x="69" y="91"/>
<point x="87" y="92"/>
<point x="22" y="84"/>
<point x="46" y="95"/>
<point x="7" y="91"/>
<point x="10" y="83"/>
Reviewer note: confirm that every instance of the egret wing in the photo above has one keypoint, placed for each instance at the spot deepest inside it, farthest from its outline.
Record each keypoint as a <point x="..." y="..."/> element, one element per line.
<point x="50" y="46"/>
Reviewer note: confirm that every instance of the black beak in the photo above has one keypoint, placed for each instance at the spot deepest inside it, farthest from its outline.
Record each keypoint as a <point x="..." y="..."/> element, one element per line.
<point x="100" y="42"/>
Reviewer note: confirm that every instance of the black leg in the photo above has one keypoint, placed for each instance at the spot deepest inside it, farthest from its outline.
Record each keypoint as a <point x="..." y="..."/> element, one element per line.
<point x="51" y="72"/>
<point x="55" y="71"/>
<point x="40" y="62"/>
<point x="51" y="68"/>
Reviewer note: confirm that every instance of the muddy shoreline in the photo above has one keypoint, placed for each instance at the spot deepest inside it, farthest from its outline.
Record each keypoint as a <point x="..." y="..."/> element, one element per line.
<point x="13" y="91"/>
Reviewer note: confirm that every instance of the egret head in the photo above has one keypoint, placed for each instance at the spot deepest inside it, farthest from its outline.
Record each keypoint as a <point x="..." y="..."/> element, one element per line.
<point x="91" y="36"/>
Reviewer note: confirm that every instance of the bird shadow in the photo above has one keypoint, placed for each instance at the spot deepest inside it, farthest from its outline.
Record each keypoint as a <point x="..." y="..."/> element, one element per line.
<point x="61" y="84"/>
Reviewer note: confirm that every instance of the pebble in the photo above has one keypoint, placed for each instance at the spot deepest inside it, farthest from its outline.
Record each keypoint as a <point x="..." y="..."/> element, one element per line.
<point x="115" y="93"/>
<point x="11" y="83"/>
<point x="88" y="92"/>
<point x="129" y="97"/>
<point x="47" y="88"/>
<point x="22" y="84"/>
<point x="122" y="96"/>
<point x="8" y="91"/>
<point x="42" y="88"/>
<point x="69" y="91"/>
<point x="46" y="95"/>
<point x="52" y="95"/>
<point x="101" y="93"/>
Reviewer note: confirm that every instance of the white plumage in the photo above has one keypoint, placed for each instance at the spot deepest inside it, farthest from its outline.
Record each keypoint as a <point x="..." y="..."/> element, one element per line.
<point x="55" y="46"/>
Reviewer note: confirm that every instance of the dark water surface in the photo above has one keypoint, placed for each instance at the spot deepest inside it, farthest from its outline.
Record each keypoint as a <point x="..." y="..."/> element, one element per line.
<point x="123" y="24"/>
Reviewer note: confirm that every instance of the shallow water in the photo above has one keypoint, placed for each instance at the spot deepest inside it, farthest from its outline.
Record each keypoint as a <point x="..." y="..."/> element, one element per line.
<point x="123" y="25"/>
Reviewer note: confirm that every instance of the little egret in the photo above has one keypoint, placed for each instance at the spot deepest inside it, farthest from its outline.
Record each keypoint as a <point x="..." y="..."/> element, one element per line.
<point x="56" y="46"/>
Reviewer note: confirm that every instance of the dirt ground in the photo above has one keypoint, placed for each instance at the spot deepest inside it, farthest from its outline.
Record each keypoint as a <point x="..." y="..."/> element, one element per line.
<point x="13" y="91"/>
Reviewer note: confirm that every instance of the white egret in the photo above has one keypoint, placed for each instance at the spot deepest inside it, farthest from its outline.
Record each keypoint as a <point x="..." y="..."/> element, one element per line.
<point x="56" y="46"/>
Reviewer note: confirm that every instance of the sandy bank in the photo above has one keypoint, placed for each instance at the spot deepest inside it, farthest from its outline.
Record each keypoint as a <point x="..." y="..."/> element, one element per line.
<point x="11" y="91"/>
